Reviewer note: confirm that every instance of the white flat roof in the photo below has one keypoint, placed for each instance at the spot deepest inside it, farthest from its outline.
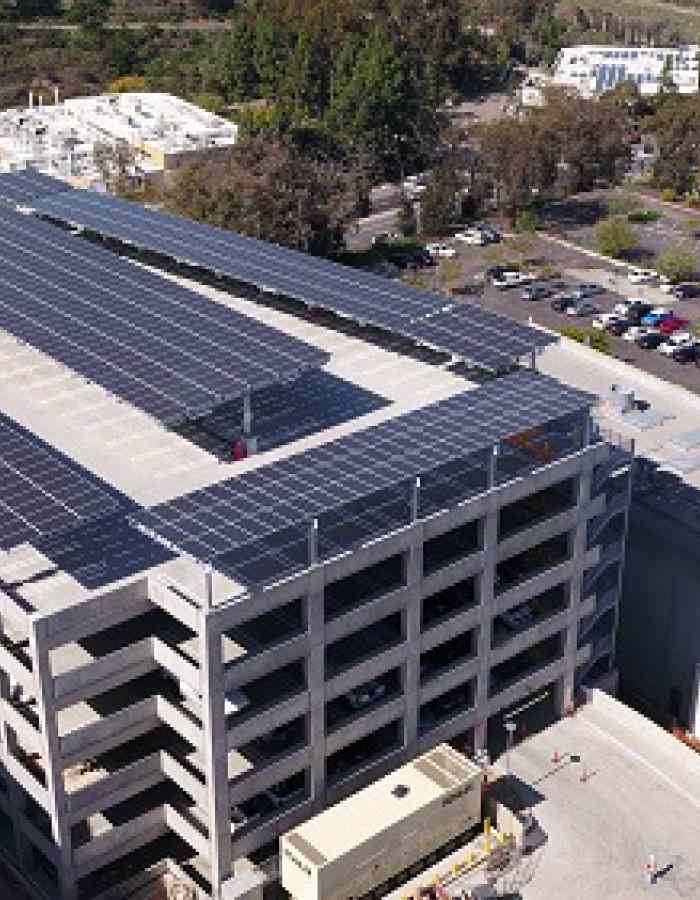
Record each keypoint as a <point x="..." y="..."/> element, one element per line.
<point x="374" y="809"/>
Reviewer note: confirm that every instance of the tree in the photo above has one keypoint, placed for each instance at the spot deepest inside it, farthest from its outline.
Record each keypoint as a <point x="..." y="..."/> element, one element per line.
<point x="406" y="218"/>
<point x="114" y="162"/>
<point x="268" y="189"/>
<point x="232" y="70"/>
<point x="677" y="127"/>
<point x="616" y="237"/>
<point x="439" y="201"/>
<point x="590" y="137"/>
<point x="519" y="159"/>
<point x="679" y="263"/>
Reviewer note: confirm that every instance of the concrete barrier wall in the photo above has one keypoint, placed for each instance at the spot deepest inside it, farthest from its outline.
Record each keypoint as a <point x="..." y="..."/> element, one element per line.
<point x="116" y="787"/>
<point x="88" y="680"/>
<point x="136" y="719"/>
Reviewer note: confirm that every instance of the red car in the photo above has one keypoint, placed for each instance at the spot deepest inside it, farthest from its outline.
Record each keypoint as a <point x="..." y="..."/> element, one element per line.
<point x="668" y="326"/>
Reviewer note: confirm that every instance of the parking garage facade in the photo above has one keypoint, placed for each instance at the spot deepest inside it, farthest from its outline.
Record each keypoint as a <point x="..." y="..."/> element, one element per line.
<point x="151" y="721"/>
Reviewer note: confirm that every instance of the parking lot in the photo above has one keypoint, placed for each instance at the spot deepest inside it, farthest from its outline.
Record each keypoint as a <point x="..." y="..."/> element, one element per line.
<point x="571" y="266"/>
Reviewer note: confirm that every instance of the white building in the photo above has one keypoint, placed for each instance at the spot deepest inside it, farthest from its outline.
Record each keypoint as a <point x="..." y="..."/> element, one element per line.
<point x="592" y="69"/>
<point x="164" y="131"/>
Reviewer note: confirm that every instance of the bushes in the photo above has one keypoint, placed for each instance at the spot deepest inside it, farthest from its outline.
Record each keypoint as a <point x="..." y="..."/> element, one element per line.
<point x="527" y="221"/>
<point x="669" y="195"/>
<point x="596" y="340"/>
<point x="616" y="237"/>
<point x="678" y="264"/>
<point x="643" y="216"/>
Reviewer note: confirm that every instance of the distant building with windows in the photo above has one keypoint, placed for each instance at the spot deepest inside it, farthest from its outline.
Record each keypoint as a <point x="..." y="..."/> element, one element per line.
<point x="592" y="70"/>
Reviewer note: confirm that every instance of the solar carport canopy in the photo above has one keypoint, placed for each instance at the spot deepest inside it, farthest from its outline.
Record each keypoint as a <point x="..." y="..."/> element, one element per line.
<point x="27" y="185"/>
<point x="236" y="513"/>
<point x="42" y="493"/>
<point x="167" y="350"/>
<point x="352" y="293"/>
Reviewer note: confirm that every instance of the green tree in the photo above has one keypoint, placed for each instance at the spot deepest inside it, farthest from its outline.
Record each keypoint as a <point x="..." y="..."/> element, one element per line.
<point x="270" y="55"/>
<point x="678" y="263"/>
<point x="232" y="70"/>
<point x="616" y="237"/>
<point x="406" y="218"/>
<point x="267" y="189"/>
<point x="677" y="127"/>
<point x="439" y="201"/>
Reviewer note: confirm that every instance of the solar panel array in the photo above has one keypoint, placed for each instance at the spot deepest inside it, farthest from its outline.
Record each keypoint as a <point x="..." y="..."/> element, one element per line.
<point x="27" y="185"/>
<point x="243" y="510"/>
<point x="163" y="348"/>
<point x="348" y="292"/>
<point x="41" y="493"/>
<point x="475" y="334"/>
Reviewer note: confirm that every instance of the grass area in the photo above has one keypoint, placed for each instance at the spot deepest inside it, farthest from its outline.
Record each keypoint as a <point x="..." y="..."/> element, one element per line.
<point x="644" y="216"/>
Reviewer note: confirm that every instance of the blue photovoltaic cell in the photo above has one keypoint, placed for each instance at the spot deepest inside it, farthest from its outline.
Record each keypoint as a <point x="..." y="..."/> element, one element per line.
<point x="243" y="510"/>
<point x="166" y="349"/>
<point x="362" y="296"/>
<point x="26" y="185"/>
<point x="41" y="492"/>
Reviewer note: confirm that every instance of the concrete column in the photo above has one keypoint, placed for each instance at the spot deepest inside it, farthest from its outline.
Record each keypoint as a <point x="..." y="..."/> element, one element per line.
<point x="564" y="689"/>
<point x="486" y="585"/>
<point x="694" y="717"/>
<point x="411" y="613"/>
<point x="316" y="684"/>
<point x="492" y="469"/>
<point x="623" y="558"/>
<point x="53" y="765"/>
<point x="16" y="794"/>
<point x="247" y="413"/>
<point x="215" y="750"/>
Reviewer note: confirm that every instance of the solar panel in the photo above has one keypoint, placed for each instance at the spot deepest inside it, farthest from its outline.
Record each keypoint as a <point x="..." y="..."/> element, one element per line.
<point x="41" y="492"/>
<point x="146" y="339"/>
<point x="477" y="335"/>
<point x="243" y="510"/>
<point x="362" y="296"/>
<point x="26" y="185"/>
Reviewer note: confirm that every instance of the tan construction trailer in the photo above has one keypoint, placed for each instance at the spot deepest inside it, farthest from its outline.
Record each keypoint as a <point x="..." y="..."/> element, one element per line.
<point x="366" y="840"/>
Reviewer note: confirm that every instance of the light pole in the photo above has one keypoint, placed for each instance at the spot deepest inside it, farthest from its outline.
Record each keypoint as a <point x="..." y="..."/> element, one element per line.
<point x="510" y="731"/>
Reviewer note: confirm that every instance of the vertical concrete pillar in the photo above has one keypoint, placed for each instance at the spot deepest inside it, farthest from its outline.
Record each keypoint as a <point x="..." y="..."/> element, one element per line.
<point x="247" y="412"/>
<point x="486" y="588"/>
<point x="694" y="717"/>
<point x="215" y="751"/>
<point x="623" y="558"/>
<point x="16" y="794"/>
<point x="53" y="764"/>
<point x="492" y="467"/>
<point x="411" y="614"/>
<point x="316" y="679"/>
<point x="564" y="689"/>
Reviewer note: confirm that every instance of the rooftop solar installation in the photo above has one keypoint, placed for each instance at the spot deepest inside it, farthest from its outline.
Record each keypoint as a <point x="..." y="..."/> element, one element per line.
<point x="27" y="185"/>
<point x="167" y="350"/>
<point x="232" y="514"/>
<point x="41" y="492"/>
<point x="352" y="293"/>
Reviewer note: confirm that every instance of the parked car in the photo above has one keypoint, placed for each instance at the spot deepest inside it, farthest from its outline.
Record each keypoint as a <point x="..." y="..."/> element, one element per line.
<point x="686" y="353"/>
<point x="665" y="284"/>
<point x="495" y="272"/>
<point x="441" y="250"/>
<point x="587" y="289"/>
<point x="603" y="321"/>
<point x="536" y="292"/>
<point x="518" y="618"/>
<point x="365" y="694"/>
<point x="510" y="279"/>
<point x="642" y="276"/>
<point x="625" y="307"/>
<point x="384" y="237"/>
<point x="634" y="332"/>
<point x="677" y="339"/>
<point x="582" y="308"/>
<point x="656" y="318"/>
<point x="562" y="302"/>
<point x="473" y="237"/>
<point x="286" y="792"/>
<point x="650" y="340"/>
<point x="668" y="326"/>
<point x="686" y="291"/>
<point x="619" y="327"/>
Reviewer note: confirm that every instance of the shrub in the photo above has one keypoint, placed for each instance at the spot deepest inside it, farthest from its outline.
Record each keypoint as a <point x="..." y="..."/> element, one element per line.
<point x="596" y="340"/>
<point x="126" y="84"/>
<point x="678" y="264"/>
<point x="528" y="220"/>
<point x="669" y="195"/>
<point x="622" y="205"/>
<point x="643" y="216"/>
<point x="616" y="237"/>
<point x="574" y="333"/>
